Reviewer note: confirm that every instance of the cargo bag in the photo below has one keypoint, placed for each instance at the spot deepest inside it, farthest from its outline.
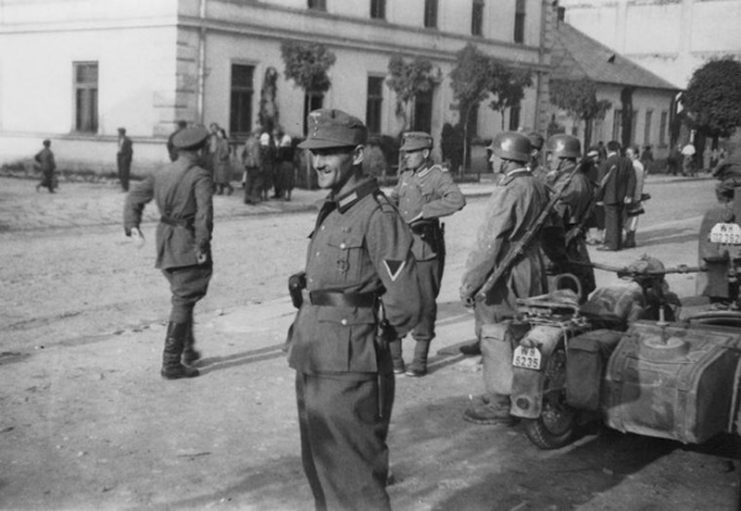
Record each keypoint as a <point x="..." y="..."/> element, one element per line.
<point x="678" y="383"/>
<point x="586" y="359"/>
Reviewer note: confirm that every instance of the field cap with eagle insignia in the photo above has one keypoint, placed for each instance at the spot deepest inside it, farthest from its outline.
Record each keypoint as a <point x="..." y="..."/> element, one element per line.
<point x="333" y="128"/>
<point x="415" y="141"/>
<point x="190" y="137"/>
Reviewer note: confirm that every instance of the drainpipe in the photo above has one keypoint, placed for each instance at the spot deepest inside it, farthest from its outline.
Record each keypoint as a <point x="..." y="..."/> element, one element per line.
<point x="201" y="88"/>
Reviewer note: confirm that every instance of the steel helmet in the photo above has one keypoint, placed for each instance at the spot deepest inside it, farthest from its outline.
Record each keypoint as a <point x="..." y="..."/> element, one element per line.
<point x="563" y="146"/>
<point x="511" y="145"/>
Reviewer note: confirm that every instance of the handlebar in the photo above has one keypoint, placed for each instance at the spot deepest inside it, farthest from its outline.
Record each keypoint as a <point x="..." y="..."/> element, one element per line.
<point x="625" y="271"/>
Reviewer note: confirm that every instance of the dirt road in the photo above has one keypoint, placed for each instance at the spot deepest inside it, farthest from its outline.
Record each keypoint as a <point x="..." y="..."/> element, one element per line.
<point x="87" y="423"/>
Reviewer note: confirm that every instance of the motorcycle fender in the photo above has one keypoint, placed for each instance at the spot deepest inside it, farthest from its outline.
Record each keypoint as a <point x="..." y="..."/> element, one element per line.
<point x="527" y="384"/>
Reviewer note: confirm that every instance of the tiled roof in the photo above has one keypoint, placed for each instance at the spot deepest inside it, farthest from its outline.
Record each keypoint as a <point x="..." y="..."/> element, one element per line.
<point x="576" y="55"/>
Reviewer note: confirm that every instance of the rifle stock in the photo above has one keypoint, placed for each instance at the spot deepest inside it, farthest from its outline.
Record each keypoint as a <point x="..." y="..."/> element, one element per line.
<point x="519" y="248"/>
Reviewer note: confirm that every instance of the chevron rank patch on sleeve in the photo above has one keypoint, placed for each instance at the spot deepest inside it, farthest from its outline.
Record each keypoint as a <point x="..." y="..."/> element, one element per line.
<point x="393" y="267"/>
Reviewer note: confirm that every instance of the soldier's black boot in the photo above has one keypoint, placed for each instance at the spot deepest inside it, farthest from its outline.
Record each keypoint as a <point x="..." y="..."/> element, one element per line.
<point x="190" y="354"/>
<point x="396" y="359"/>
<point x="471" y="349"/>
<point x="418" y="367"/>
<point x="172" y="369"/>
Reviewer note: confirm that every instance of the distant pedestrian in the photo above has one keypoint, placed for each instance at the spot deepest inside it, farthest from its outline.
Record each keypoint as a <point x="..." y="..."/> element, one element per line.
<point x="183" y="193"/>
<point x="252" y="175"/>
<point x="635" y="209"/>
<point x="674" y="160"/>
<point x="617" y="185"/>
<point x="647" y="158"/>
<point x="689" y="165"/>
<point x="222" y="164"/>
<point x="171" y="150"/>
<point x="123" y="158"/>
<point x="47" y="165"/>
<point x="267" y="163"/>
<point x="285" y="168"/>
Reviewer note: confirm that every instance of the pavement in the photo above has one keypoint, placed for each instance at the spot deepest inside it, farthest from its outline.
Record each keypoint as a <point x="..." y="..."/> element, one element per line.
<point x="73" y="202"/>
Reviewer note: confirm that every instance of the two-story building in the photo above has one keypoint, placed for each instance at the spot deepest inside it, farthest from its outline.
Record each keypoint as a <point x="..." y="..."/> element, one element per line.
<point x="76" y="70"/>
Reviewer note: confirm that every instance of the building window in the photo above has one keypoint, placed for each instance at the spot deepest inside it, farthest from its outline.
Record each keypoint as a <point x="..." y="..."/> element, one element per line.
<point x="634" y="127"/>
<point x="520" y="21"/>
<point x="374" y="103"/>
<point x="86" y="96"/>
<point x="514" y="118"/>
<point x="423" y="111"/>
<point x="431" y="13"/>
<point x="477" y="17"/>
<point x="240" y="112"/>
<point x="647" y="128"/>
<point x="617" y="125"/>
<point x="319" y="5"/>
<point x="378" y="9"/>
<point x="662" y="127"/>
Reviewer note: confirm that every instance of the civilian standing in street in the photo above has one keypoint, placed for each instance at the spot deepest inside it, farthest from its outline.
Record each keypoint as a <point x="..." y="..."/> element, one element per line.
<point x="123" y="158"/>
<point x="252" y="175"/>
<point x="360" y="276"/>
<point x="267" y="165"/>
<point x="222" y="164"/>
<point x="617" y="185"/>
<point x="425" y="192"/>
<point x="513" y="208"/>
<point x="284" y="164"/>
<point x="183" y="193"/>
<point x="635" y="209"/>
<point x="47" y="165"/>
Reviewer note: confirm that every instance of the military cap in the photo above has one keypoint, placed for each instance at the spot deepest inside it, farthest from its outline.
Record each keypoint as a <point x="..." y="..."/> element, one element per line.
<point x="190" y="137"/>
<point x="333" y="128"/>
<point x="536" y="140"/>
<point x="415" y="141"/>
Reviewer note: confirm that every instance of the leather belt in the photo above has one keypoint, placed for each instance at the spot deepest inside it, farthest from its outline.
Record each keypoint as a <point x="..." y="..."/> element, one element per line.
<point x="340" y="299"/>
<point x="176" y="222"/>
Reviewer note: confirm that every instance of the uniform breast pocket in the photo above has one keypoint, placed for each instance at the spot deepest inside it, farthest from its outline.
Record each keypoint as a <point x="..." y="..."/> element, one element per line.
<point x="347" y="256"/>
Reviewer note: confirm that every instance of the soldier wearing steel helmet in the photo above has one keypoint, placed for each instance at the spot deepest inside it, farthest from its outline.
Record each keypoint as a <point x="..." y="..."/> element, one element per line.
<point x="359" y="257"/>
<point x="425" y="192"/>
<point x="514" y="206"/>
<point x="183" y="192"/>
<point x="574" y="207"/>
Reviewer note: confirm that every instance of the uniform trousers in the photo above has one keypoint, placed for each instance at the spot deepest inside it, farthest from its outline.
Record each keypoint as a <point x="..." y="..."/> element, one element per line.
<point x="253" y="184"/>
<point x="188" y="284"/>
<point x="429" y="275"/>
<point x="124" y="171"/>
<point x="614" y="226"/>
<point x="343" y="438"/>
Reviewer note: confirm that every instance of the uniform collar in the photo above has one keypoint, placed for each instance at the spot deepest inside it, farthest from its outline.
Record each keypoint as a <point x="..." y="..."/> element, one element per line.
<point x="346" y="201"/>
<point x="509" y="176"/>
<point x="424" y="169"/>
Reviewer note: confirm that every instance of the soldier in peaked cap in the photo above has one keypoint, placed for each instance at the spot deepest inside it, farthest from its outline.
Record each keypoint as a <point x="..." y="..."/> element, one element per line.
<point x="424" y="193"/>
<point x="359" y="260"/>
<point x="183" y="193"/>
<point x="514" y="206"/>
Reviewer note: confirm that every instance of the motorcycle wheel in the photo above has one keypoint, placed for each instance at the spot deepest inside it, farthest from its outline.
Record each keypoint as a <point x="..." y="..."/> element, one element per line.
<point x="557" y="422"/>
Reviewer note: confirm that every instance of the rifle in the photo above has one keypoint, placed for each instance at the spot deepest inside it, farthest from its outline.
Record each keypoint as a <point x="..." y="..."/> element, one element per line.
<point x="517" y="250"/>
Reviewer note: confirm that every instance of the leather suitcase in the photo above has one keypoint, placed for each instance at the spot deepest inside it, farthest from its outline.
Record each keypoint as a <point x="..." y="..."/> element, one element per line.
<point x="679" y="384"/>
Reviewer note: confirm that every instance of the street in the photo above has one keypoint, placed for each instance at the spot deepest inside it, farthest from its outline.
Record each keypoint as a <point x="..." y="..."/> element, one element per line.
<point x="87" y="422"/>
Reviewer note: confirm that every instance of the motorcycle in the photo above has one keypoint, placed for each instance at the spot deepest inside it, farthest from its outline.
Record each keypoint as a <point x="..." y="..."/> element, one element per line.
<point x="625" y="358"/>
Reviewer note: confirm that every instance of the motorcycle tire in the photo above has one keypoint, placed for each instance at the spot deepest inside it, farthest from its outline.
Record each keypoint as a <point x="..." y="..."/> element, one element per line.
<point x="557" y="422"/>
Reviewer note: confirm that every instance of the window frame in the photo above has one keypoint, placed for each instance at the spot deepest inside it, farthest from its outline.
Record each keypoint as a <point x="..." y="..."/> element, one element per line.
<point x="420" y="101"/>
<point x="477" y="18"/>
<point x="663" y="127"/>
<point x="91" y="124"/>
<point x="519" y="26"/>
<point x="648" y="119"/>
<point x="235" y="118"/>
<point x="317" y="5"/>
<point x="378" y="9"/>
<point x="374" y="104"/>
<point x="431" y="13"/>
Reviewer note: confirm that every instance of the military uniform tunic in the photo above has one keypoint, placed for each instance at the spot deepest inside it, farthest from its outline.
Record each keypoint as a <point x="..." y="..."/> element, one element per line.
<point x="183" y="193"/>
<point x="344" y="382"/>
<point x="431" y="192"/>
<point x="512" y="209"/>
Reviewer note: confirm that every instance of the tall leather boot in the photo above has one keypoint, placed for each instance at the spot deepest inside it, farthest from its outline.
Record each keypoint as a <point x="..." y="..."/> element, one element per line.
<point x="190" y="354"/>
<point x="630" y="239"/>
<point x="396" y="359"/>
<point x="418" y="367"/>
<point x="172" y="369"/>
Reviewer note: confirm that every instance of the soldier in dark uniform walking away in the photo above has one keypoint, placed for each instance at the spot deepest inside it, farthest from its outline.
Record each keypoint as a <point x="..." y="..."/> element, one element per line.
<point x="574" y="207"/>
<point x="183" y="192"/>
<point x="617" y="185"/>
<point x="47" y="165"/>
<point x="123" y="158"/>
<point x="424" y="193"/>
<point x="514" y="205"/>
<point x="359" y="261"/>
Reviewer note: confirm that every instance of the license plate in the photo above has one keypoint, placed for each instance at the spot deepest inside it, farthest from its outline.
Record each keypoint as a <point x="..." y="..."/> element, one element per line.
<point x="726" y="234"/>
<point x="527" y="358"/>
